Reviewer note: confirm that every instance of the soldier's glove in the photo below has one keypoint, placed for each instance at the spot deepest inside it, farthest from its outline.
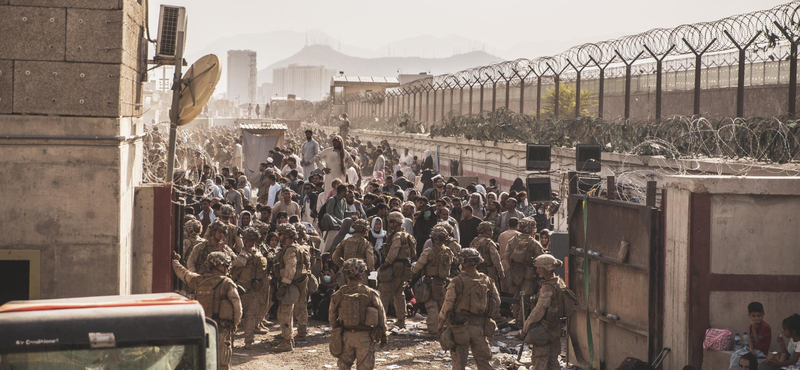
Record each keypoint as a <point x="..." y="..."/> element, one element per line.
<point x="176" y="256"/>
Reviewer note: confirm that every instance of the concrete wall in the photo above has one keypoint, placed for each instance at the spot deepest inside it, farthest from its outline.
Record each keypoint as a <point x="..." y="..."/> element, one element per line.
<point x="740" y="246"/>
<point x="70" y="138"/>
<point x="142" y="251"/>
<point x="676" y="278"/>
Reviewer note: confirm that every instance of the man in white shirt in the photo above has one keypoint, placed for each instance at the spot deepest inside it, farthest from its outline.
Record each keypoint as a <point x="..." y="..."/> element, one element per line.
<point x="291" y="164"/>
<point x="380" y="164"/>
<point x="273" y="189"/>
<point x="309" y="150"/>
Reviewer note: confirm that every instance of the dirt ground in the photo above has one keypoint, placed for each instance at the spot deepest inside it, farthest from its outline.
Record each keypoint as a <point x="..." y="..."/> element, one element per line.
<point x="409" y="349"/>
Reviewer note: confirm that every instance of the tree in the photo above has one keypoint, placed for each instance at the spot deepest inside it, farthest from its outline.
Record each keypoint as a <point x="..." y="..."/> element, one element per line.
<point x="566" y="101"/>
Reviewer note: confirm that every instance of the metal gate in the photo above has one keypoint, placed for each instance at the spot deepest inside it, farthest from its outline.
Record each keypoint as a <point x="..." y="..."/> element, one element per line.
<point x="624" y="294"/>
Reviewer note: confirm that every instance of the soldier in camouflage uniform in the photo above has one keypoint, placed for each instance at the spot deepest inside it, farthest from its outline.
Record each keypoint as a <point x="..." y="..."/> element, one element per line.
<point x="217" y="294"/>
<point x="522" y="250"/>
<point x="471" y="303"/>
<point x="357" y="319"/>
<point x="455" y="247"/>
<point x="435" y="264"/>
<point x="547" y="312"/>
<point x="293" y="264"/>
<point x="357" y="246"/>
<point x="397" y="257"/>
<point x="269" y="255"/>
<point x="484" y="244"/>
<point x="215" y="242"/>
<point x="233" y="240"/>
<point x="252" y="276"/>
<point x="192" y="228"/>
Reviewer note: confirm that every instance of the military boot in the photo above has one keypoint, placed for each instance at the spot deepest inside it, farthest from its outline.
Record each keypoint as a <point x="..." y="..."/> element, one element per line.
<point x="400" y="324"/>
<point x="284" y="346"/>
<point x="248" y="346"/>
<point x="302" y="333"/>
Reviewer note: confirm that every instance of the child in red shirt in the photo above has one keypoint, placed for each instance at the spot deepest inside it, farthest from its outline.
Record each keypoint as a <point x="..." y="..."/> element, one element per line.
<point x="759" y="336"/>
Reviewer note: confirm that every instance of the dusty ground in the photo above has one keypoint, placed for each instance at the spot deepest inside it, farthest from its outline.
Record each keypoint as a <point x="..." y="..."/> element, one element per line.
<point x="405" y="350"/>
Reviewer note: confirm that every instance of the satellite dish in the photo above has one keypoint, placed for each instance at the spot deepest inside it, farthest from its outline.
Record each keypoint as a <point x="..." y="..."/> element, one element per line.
<point x="199" y="83"/>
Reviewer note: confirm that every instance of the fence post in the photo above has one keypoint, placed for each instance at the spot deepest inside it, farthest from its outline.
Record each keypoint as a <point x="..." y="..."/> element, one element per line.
<point x="480" y="105"/>
<point x="628" y="66"/>
<point x="792" y="70"/>
<point x="740" y="77"/>
<point x="611" y="188"/>
<point x="698" y="70"/>
<point x="659" y="70"/>
<point x="651" y="194"/>
<point x="538" y="96"/>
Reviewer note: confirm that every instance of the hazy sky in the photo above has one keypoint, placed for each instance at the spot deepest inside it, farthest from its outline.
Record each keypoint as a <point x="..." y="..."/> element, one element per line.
<point x="499" y="24"/>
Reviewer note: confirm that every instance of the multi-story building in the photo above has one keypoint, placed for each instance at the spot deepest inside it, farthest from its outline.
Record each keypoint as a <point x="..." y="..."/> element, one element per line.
<point x="265" y="93"/>
<point x="242" y="76"/>
<point x="306" y="82"/>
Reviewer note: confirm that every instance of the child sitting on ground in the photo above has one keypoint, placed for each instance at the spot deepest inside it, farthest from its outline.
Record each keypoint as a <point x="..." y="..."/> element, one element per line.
<point x="791" y="350"/>
<point x="759" y="336"/>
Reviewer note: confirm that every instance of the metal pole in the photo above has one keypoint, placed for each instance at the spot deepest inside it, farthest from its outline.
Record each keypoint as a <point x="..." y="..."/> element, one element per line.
<point x="470" y="99"/>
<point x="557" y="80"/>
<point x="538" y="96"/>
<point x="522" y="96"/>
<point x="433" y="115"/>
<point x="480" y="106"/>
<point x="177" y="84"/>
<point x="443" y="102"/>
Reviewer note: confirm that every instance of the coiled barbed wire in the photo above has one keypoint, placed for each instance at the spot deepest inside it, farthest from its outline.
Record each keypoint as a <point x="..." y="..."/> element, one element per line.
<point x="767" y="29"/>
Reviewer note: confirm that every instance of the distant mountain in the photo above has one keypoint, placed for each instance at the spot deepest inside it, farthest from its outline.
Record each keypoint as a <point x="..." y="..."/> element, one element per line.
<point x="332" y="59"/>
<point x="429" y="46"/>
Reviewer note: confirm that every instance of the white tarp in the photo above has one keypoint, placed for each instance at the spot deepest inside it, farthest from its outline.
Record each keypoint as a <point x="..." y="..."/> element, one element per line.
<point x="256" y="150"/>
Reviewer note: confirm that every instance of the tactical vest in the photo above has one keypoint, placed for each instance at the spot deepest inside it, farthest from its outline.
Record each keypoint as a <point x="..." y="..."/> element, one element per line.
<point x="439" y="262"/>
<point x="354" y="308"/>
<point x="473" y="299"/>
<point x="552" y="317"/>
<point x="354" y="248"/>
<point x="408" y="246"/>
<point x="253" y="270"/>
<point x="303" y="258"/>
<point x="209" y="295"/>
<point x="482" y="244"/>
<point x="522" y="250"/>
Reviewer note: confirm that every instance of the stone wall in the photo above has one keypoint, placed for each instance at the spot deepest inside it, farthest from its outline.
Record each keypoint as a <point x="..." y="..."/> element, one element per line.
<point x="70" y="138"/>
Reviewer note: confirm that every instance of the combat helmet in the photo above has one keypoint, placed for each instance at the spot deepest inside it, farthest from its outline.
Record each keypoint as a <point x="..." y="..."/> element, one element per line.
<point x="302" y="232"/>
<point x="354" y="267"/>
<point x="395" y="216"/>
<point x="485" y="226"/>
<point x="251" y="233"/>
<point x="219" y="259"/>
<point x="547" y="262"/>
<point x="439" y="233"/>
<point x="446" y="226"/>
<point x="527" y="224"/>
<point x="194" y="226"/>
<point x="471" y="256"/>
<point x="226" y="211"/>
<point x="360" y="225"/>
<point x="287" y="229"/>
<point x="218" y="225"/>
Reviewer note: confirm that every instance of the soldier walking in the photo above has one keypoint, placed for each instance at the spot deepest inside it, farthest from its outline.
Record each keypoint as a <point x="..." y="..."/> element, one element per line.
<point x="252" y="276"/>
<point x="357" y="246"/>
<point x="435" y="263"/>
<point x="217" y="294"/>
<point x="484" y="244"/>
<point x="548" y="312"/>
<point x="469" y="305"/>
<point x="522" y="250"/>
<point x="293" y="265"/>
<point x="357" y="319"/>
<point x="397" y="260"/>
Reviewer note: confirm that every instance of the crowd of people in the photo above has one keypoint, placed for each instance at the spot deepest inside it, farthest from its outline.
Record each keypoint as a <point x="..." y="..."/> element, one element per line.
<point x="332" y="215"/>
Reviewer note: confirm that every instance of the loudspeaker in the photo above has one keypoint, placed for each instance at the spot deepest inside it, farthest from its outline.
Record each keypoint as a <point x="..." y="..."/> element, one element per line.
<point x="539" y="189"/>
<point x="587" y="158"/>
<point x="538" y="157"/>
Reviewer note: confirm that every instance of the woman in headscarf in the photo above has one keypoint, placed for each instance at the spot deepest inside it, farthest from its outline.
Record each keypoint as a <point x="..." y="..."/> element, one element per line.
<point x="518" y="185"/>
<point x="243" y="184"/>
<point x="244" y="220"/>
<point x="428" y="161"/>
<point x="377" y="236"/>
